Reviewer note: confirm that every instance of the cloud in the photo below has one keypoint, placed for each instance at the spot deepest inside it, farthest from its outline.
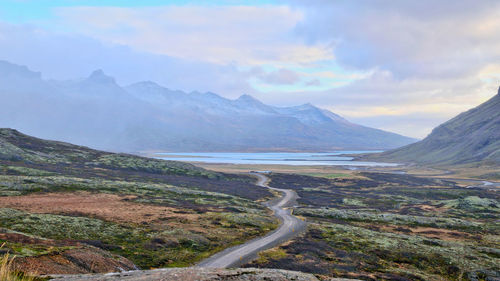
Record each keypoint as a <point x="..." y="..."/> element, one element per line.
<point x="246" y="35"/>
<point x="314" y="82"/>
<point x="427" y="39"/>
<point x="400" y="65"/>
<point x="411" y="106"/>
<point x="280" y="77"/>
<point x="70" y="56"/>
<point x="416" y="125"/>
<point x="426" y="60"/>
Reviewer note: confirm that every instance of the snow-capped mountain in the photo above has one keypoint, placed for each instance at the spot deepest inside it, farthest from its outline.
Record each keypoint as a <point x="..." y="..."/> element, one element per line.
<point x="98" y="112"/>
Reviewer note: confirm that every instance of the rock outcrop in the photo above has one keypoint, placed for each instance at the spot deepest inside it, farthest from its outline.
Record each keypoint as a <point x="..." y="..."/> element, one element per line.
<point x="198" y="274"/>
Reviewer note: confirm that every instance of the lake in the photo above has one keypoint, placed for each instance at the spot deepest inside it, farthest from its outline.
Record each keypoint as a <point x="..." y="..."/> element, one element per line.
<point x="274" y="158"/>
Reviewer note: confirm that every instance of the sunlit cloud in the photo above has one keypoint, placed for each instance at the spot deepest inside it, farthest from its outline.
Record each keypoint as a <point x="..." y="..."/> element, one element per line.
<point x="245" y="35"/>
<point x="436" y="109"/>
<point x="397" y="65"/>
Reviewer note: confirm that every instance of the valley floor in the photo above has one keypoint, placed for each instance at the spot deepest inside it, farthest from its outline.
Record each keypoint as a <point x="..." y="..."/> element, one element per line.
<point x="67" y="209"/>
<point x="386" y="226"/>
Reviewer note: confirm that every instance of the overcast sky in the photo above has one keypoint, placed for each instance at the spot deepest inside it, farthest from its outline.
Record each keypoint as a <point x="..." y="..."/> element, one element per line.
<point x="402" y="66"/>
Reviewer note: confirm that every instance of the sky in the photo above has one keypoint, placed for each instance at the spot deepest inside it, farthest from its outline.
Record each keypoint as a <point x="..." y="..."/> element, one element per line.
<point x="402" y="66"/>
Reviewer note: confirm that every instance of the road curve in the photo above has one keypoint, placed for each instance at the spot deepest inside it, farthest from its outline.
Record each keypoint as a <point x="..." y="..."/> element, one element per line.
<point x="289" y="227"/>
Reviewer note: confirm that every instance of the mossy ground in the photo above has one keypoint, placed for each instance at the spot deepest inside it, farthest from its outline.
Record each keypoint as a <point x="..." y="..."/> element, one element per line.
<point x="226" y="220"/>
<point x="391" y="227"/>
<point x="220" y="209"/>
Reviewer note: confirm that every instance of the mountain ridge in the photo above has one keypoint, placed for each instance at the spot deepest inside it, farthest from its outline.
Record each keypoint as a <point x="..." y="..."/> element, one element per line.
<point x="472" y="136"/>
<point x="97" y="112"/>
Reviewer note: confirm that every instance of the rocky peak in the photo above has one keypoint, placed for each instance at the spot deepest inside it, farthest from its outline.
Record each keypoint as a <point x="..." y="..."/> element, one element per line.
<point x="146" y="86"/>
<point x="247" y="98"/>
<point x="250" y="103"/>
<point x="307" y="106"/>
<point x="98" y="76"/>
<point x="8" y="69"/>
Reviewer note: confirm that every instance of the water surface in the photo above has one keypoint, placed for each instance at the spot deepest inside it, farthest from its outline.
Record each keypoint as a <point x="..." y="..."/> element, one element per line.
<point x="274" y="158"/>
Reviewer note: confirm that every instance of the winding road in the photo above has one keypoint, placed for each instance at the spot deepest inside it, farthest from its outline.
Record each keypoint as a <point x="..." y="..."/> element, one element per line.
<point x="289" y="227"/>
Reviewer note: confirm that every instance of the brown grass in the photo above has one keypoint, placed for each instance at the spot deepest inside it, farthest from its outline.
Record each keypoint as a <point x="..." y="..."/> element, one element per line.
<point x="7" y="272"/>
<point x="104" y="206"/>
<point x="430" y="232"/>
<point x="73" y="261"/>
<point x="245" y="168"/>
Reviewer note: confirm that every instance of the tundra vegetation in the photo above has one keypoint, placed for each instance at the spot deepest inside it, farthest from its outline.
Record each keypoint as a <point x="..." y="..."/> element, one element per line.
<point x="380" y="226"/>
<point x="8" y="273"/>
<point x="70" y="209"/>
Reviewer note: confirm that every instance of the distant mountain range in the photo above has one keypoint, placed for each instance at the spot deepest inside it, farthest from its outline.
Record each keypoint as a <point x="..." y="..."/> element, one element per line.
<point x="99" y="113"/>
<point x="471" y="137"/>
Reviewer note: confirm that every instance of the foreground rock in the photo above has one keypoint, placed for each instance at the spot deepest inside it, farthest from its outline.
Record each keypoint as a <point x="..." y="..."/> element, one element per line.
<point x="60" y="256"/>
<point x="199" y="274"/>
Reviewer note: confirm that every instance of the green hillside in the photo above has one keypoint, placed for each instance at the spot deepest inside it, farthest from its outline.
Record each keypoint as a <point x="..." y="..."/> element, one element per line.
<point x="18" y="147"/>
<point x="67" y="209"/>
<point x="471" y="137"/>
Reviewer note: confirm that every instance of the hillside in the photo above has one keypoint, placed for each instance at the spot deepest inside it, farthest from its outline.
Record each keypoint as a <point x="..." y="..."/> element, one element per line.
<point x="99" y="113"/>
<point x="18" y="147"/>
<point x="68" y="209"/>
<point x="471" y="137"/>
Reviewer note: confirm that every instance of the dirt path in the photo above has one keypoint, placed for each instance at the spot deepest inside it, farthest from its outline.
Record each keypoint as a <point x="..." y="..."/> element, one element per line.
<point x="289" y="227"/>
